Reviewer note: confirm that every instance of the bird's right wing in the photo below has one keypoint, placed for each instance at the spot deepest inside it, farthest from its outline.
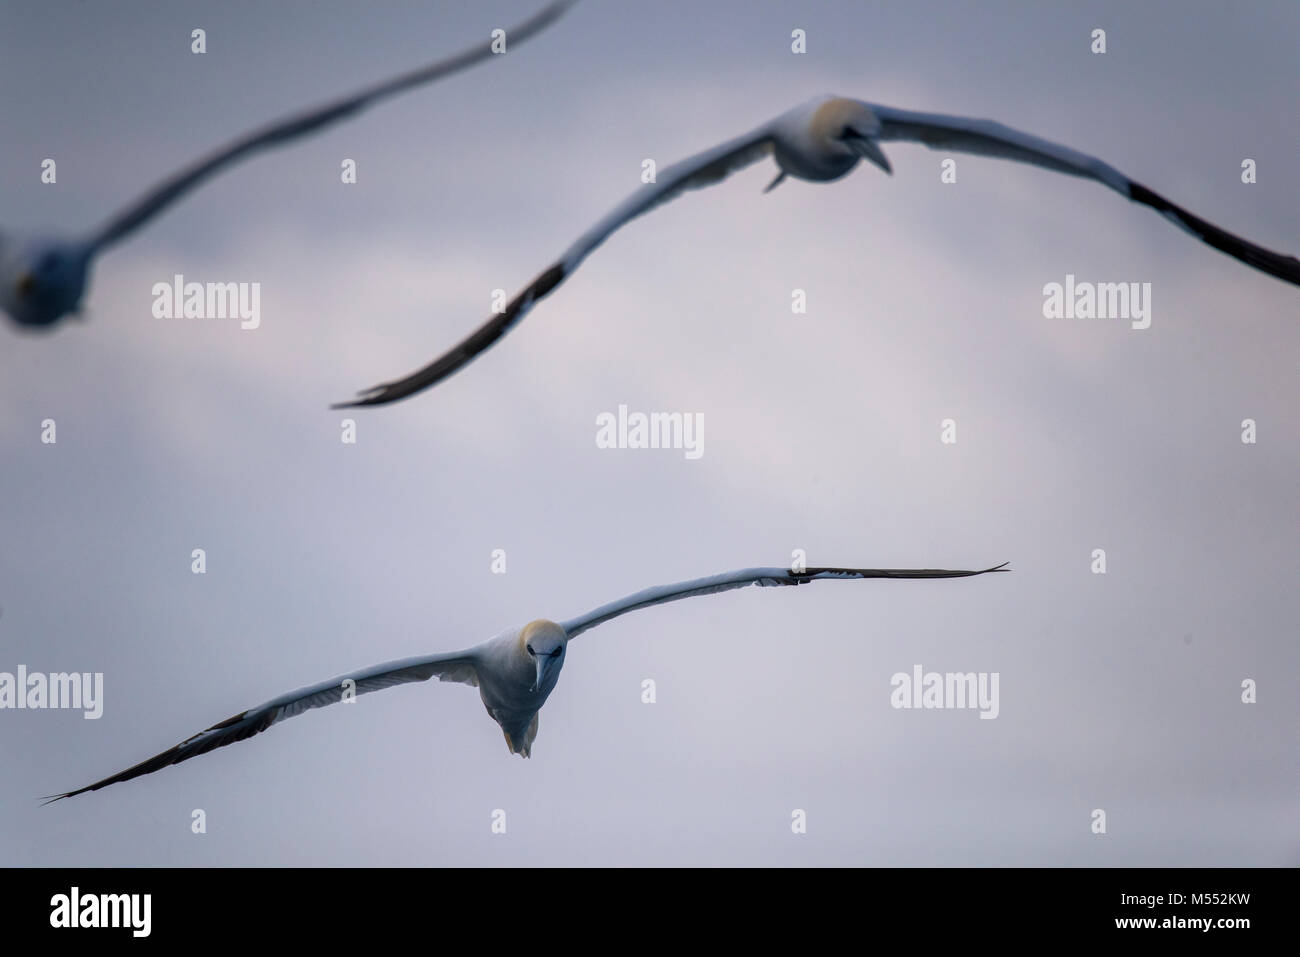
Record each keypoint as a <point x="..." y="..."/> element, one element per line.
<point x="703" y="169"/>
<point x="743" y="578"/>
<point x="299" y="124"/>
<point x="459" y="666"/>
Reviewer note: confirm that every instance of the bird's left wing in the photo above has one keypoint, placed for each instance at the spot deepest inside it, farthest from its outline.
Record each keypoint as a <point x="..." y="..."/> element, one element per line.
<point x="744" y="578"/>
<point x="292" y="127"/>
<point x="987" y="138"/>
<point x="703" y="169"/>
<point x="459" y="666"/>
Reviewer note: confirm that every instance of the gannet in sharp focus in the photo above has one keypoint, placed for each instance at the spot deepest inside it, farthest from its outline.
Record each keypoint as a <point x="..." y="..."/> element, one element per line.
<point x="42" y="280"/>
<point x="514" y="672"/>
<point x="821" y="141"/>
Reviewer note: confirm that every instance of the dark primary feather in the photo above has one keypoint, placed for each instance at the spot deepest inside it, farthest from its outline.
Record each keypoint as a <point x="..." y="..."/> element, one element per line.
<point x="988" y="138"/>
<point x="703" y="169"/>
<point x="466" y="351"/>
<point x="449" y="667"/>
<point x="1284" y="267"/>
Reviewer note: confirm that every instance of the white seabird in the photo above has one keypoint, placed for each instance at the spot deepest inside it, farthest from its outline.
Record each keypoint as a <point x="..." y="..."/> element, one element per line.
<point x="821" y="141"/>
<point x="42" y="279"/>
<point x="515" y="672"/>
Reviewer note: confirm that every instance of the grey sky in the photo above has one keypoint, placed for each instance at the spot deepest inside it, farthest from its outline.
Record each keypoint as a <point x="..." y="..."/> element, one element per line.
<point x="1119" y="692"/>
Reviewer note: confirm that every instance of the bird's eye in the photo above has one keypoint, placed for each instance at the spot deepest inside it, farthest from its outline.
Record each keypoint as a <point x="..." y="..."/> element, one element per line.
<point x="556" y="652"/>
<point x="530" y="650"/>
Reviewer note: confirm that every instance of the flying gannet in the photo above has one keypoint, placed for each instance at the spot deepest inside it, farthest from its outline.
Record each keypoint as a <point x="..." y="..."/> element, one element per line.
<point x="821" y="141"/>
<point x="43" y="279"/>
<point x="515" y="672"/>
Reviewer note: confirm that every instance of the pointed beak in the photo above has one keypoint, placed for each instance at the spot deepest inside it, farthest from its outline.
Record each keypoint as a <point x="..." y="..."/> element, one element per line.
<point x="545" y="665"/>
<point x="868" y="150"/>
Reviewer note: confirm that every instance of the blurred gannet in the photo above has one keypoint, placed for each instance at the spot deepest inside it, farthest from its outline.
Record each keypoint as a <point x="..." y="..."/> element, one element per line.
<point x="42" y="279"/>
<point x="514" y="672"/>
<point x="821" y="141"/>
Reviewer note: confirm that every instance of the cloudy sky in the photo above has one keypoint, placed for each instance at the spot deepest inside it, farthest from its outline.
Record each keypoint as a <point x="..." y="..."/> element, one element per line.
<point x="1120" y="692"/>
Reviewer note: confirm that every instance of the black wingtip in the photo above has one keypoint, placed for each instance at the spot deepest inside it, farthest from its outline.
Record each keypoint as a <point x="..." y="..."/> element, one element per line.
<point x="364" y="398"/>
<point x="47" y="799"/>
<point x="997" y="568"/>
<point x="1278" y="265"/>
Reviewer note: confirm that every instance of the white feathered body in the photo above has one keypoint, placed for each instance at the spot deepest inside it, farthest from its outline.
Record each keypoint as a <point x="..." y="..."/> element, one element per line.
<point x="506" y="676"/>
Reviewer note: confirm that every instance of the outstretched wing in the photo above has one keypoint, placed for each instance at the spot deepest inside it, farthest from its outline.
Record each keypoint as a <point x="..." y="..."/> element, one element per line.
<point x="744" y="578"/>
<point x="703" y="169"/>
<point x="452" y="667"/>
<point x="987" y="138"/>
<point x="299" y="124"/>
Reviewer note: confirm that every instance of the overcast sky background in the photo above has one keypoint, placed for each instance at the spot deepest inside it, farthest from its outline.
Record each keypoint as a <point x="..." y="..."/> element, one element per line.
<point x="1119" y="692"/>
